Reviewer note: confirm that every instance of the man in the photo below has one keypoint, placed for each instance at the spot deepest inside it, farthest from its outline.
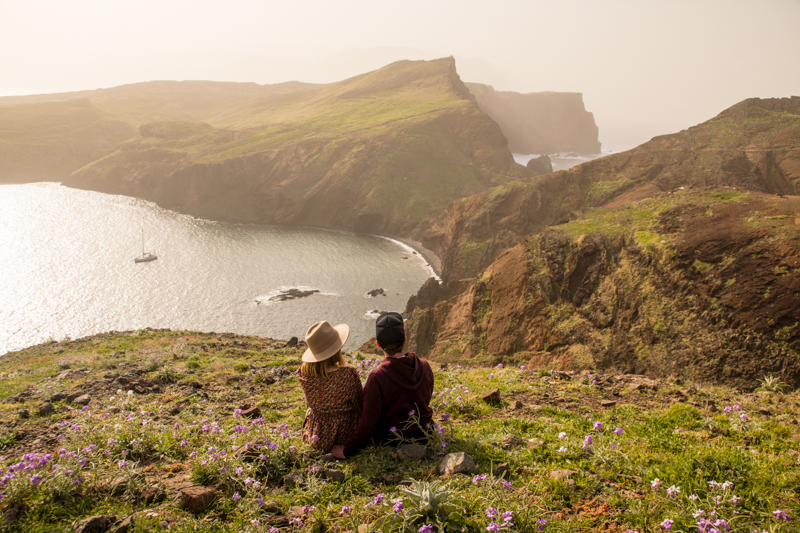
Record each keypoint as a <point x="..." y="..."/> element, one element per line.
<point x="400" y="388"/>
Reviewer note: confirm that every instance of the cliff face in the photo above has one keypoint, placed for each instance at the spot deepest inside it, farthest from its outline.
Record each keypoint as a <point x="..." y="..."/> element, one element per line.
<point x="47" y="141"/>
<point x="754" y="145"/>
<point x="703" y="285"/>
<point x="381" y="153"/>
<point x="656" y="279"/>
<point x="540" y="123"/>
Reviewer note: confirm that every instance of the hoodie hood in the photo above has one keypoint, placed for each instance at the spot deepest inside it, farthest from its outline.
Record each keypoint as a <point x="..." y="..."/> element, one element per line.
<point x="406" y="372"/>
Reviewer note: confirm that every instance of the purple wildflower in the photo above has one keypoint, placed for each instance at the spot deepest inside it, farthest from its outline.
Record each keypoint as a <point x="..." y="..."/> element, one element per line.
<point x="781" y="515"/>
<point x="667" y="523"/>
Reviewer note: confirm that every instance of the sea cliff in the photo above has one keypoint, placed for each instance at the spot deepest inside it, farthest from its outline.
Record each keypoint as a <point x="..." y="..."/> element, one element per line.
<point x="540" y="123"/>
<point x="675" y="258"/>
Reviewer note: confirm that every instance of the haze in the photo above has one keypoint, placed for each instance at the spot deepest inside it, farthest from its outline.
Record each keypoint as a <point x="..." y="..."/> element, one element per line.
<point x="645" y="68"/>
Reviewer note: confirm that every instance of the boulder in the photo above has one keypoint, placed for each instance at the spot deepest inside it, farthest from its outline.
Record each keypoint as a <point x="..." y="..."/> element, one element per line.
<point x="293" y="479"/>
<point x="457" y="463"/>
<point x="154" y="494"/>
<point x="410" y="452"/>
<point x="58" y="396"/>
<point x="492" y="396"/>
<point x="561" y="475"/>
<point x="511" y="442"/>
<point x="83" y="399"/>
<point x="197" y="498"/>
<point x="94" y="524"/>
<point x="501" y="469"/>
<point x="46" y="408"/>
<point x="331" y="475"/>
<point x="540" y="165"/>
<point x="253" y="412"/>
<point x="607" y="403"/>
<point x="126" y="526"/>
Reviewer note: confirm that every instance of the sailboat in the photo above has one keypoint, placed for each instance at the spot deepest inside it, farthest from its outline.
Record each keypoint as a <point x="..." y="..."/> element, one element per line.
<point x="146" y="256"/>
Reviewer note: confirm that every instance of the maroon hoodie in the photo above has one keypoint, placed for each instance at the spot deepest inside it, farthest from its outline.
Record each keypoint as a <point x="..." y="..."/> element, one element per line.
<point x="399" y="385"/>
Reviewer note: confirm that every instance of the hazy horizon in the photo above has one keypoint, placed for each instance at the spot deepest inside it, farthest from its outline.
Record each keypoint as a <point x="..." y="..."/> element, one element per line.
<point x="644" y="68"/>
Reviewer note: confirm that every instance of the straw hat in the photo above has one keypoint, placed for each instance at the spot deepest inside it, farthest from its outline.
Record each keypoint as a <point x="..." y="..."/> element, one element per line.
<point x="324" y="341"/>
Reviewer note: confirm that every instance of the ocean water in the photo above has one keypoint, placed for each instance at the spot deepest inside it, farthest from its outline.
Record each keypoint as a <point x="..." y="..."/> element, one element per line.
<point x="562" y="161"/>
<point x="68" y="271"/>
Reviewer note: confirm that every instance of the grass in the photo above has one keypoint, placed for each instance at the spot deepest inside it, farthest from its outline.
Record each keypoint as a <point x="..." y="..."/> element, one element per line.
<point x="619" y="482"/>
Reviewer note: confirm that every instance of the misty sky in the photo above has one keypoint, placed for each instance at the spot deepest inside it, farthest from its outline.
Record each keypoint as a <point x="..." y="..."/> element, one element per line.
<point x="644" y="67"/>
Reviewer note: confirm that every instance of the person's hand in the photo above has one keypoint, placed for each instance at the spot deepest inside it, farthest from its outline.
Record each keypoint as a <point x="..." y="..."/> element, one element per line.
<point x="338" y="451"/>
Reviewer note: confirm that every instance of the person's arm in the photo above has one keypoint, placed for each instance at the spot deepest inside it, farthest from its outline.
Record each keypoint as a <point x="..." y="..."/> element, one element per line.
<point x="370" y="415"/>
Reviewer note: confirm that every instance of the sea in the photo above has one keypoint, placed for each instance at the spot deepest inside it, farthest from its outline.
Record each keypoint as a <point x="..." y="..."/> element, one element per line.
<point x="562" y="161"/>
<point x="68" y="271"/>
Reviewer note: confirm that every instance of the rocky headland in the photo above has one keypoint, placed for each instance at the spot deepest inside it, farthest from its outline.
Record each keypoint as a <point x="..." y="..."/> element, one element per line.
<point x="540" y="123"/>
<point x="674" y="258"/>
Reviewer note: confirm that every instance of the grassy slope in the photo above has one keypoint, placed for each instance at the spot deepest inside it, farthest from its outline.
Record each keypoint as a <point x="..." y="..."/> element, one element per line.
<point x="139" y="103"/>
<point x="748" y="146"/>
<point x="395" y="145"/>
<point x="49" y="140"/>
<point x="672" y="432"/>
<point x="698" y="284"/>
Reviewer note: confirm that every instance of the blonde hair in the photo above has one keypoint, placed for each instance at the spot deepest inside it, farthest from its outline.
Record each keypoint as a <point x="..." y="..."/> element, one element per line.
<point x="322" y="368"/>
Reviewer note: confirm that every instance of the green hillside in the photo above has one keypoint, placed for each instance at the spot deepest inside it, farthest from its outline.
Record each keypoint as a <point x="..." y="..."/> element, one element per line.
<point x="185" y="431"/>
<point x="46" y="141"/>
<point x="381" y="152"/>
<point x="138" y="103"/>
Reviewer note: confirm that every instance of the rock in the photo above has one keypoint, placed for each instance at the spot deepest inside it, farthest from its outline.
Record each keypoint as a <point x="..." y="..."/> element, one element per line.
<point x="23" y="413"/>
<point x="94" y="524"/>
<point x="540" y="165"/>
<point x="291" y="343"/>
<point x="562" y="474"/>
<point x="272" y="506"/>
<point x="253" y="412"/>
<point x="558" y="374"/>
<point x="154" y="494"/>
<point x="293" y="479"/>
<point x="71" y="397"/>
<point x="82" y="399"/>
<point x="501" y="469"/>
<point x="492" y="397"/>
<point x="457" y="463"/>
<point x="197" y="498"/>
<point x="291" y="294"/>
<point x="511" y="442"/>
<point x="410" y="452"/>
<point x="376" y="292"/>
<point x="391" y="479"/>
<point x="327" y="458"/>
<point x="331" y="475"/>
<point x="125" y="526"/>
<point x="607" y="403"/>
<point x="536" y="443"/>
<point x="46" y="408"/>
<point x="58" y="396"/>
<point x="163" y="524"/>
<point x="517" y="405"/>
<point x="295" y="511"/>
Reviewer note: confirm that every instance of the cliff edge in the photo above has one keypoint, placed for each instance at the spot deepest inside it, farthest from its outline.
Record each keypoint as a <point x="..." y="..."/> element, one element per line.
<point x="540" y="123"/>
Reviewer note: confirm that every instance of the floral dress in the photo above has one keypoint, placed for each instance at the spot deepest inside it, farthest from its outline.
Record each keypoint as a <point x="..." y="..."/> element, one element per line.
<point x="335" y="407"/>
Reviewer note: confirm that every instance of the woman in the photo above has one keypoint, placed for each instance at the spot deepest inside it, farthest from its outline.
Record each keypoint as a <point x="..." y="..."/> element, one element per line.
<point x="332" y="389"/>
